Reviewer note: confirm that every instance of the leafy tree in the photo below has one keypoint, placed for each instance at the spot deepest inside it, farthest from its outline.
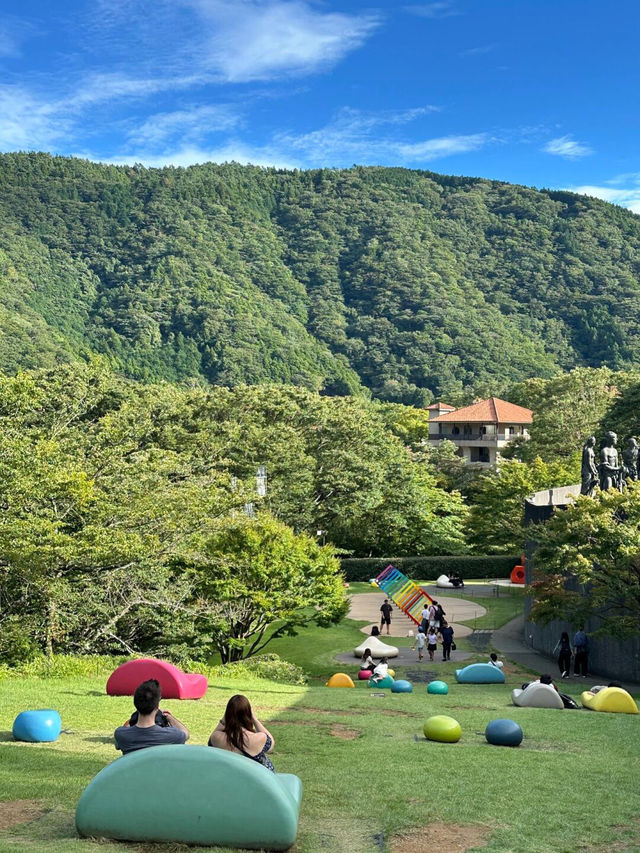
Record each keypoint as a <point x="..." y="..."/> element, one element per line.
<point x="567" y="409"/>
<point x="256" y="579"/>
<point x="588" y="563"/>
<point x="496" y="522"/>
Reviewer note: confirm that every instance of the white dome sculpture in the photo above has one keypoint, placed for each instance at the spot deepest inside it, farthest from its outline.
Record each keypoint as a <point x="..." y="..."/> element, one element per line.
<point x="443" y="582"/>
<point x="537" y="695"/>
<point x="378" y="649"/>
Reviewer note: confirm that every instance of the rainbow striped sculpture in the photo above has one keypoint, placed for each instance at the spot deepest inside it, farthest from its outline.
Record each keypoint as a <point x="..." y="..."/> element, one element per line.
<point x="403" y="592"/>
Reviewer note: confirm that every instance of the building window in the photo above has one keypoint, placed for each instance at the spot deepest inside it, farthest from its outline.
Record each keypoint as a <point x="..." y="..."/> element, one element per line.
<point x="480" y="454"/>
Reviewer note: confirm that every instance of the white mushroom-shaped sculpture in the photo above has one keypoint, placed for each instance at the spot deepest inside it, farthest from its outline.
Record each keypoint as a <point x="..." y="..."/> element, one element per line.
<point x="378" y="649"/>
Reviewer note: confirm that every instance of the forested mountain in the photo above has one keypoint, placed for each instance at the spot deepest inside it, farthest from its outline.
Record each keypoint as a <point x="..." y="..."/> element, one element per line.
<point x="407" y="283"/>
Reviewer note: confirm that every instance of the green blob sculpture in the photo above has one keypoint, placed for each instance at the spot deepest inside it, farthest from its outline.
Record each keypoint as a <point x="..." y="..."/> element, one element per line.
<point x="191" y="795"/>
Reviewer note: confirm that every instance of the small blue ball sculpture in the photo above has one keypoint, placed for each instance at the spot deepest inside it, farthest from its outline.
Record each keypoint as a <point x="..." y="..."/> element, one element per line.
<point x="402" y="686"/>
<point x="437" y="687"/>
<point x="504" y="733"/>
<point x="37" y="726"/>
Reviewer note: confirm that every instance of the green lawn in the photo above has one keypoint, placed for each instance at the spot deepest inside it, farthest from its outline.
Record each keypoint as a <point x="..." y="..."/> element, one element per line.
<point x="572" y="785"/>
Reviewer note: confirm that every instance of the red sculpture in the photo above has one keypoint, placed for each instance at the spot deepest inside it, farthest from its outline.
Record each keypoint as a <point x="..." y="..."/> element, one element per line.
<point x="174" y="683"/>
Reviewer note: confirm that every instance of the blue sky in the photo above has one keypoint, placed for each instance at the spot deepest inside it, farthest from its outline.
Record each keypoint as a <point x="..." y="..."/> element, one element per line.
<point x="539" y="92"/>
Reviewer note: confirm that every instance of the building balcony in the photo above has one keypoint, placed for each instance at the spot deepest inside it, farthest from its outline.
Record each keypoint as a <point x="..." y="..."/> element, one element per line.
<point x="469" y="440"/>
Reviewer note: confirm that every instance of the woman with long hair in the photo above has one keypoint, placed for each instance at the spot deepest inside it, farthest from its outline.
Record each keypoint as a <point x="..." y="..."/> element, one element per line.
<point x="241" y="731"/>
<point x="563" y="648"/>
<point x="366" y="662"/>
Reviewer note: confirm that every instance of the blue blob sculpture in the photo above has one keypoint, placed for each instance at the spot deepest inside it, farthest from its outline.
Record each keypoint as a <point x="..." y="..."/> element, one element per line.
<point x="37" y="726"/>
<point x="402" y="686"/>
<point x="504" y="733"/>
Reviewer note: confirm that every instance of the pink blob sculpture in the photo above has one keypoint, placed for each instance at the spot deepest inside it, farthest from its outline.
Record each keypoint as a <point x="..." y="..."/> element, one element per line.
<point x="174" y="683"/>
<point x="364" y="674"/>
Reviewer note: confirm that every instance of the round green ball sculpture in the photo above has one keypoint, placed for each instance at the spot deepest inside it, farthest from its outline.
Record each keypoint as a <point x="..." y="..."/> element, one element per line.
<point x="437" y="687"/>
<point x="443" y="729"/>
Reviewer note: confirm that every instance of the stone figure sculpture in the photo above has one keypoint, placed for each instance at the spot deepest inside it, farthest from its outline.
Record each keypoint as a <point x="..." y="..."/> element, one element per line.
<point x="610" y="470"/>
<point x="630" y="460"/>
<point x="590" y="476"/>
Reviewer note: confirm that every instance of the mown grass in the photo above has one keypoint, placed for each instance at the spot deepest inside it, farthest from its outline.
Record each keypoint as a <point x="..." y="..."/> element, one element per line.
<point x="573" y="780"/>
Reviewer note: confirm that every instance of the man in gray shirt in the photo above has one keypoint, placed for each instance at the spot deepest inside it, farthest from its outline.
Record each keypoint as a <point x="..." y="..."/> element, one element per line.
<point x="145" y="731"/>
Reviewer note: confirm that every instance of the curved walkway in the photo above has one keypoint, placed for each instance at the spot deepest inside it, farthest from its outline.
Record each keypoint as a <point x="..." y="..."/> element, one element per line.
<point x="509" y="640"/>
<point x="365" y="607"/>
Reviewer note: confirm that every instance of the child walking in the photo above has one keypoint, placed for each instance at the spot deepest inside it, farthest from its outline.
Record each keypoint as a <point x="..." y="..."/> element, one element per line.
<point x="420" y="643"/>
<point x="432" y="641"/>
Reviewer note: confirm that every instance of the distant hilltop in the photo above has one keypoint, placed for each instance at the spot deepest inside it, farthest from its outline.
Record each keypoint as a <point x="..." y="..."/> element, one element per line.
<point x="404" y="284"/>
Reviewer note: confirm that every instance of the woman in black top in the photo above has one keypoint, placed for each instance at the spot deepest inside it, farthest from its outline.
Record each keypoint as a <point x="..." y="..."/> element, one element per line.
<point x="564" y="655"/>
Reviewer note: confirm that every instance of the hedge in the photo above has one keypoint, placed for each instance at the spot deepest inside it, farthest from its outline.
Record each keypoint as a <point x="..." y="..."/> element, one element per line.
<point x="429" y="568"/>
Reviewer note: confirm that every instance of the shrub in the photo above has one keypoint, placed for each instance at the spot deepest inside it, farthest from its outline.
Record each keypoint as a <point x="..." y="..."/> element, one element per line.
<point x="270" y="667"/>
<point x="429" y="568"/>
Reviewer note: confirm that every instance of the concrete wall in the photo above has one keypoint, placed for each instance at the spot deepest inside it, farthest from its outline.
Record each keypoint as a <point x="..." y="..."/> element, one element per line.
<point x="612" y="659"/>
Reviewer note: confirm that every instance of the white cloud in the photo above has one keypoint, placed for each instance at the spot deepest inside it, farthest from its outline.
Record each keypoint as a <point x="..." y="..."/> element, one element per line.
<point x="189" y="124"/>
<point x="437" y="9"/>
<point x="189" y="155"/>
<point x="352" y="137"/>
<point x="27" y="123"/>
<point x="568" y="148"/>
<point x="357" y="137"/>
<point x="255" y="40"/>
<point x="481" y="50"/>
<point x="13" y="31"/>
<point x="443" y="146"/>
<point x="624" y="196"/>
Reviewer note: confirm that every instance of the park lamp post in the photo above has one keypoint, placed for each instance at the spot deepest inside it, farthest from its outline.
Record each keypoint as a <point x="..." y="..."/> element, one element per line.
<point x="261" y="481"/>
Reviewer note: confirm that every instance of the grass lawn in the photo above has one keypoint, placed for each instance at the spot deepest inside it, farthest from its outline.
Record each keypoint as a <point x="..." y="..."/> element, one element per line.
<point x="572" y="785"/>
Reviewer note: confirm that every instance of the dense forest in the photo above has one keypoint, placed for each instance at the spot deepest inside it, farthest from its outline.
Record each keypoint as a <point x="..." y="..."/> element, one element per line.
<point x="403" y="284"/>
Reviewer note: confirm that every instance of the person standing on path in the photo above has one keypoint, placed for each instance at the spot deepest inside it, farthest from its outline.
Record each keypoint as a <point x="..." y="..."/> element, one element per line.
<point x="424" y="616"/>
<point x="581" y="653"/>
<point x="385" y="619"/>
<point x="432" y="642"/>
<point x="446" y="632"/>
<point x="421" y="639"/>
<point x="563" y="648"/>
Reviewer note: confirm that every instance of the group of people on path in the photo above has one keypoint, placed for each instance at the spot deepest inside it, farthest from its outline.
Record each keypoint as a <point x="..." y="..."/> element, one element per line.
<point x="239" y="730"/>
<point x="434" y="629"/>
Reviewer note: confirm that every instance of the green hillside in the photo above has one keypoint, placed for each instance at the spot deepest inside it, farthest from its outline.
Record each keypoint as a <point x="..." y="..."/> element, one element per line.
<point x="407" y="283"/>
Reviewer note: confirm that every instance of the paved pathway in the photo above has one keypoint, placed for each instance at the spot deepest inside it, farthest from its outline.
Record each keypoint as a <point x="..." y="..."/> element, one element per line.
<point x="365" y="607"/>
<point x="509" y="640"/>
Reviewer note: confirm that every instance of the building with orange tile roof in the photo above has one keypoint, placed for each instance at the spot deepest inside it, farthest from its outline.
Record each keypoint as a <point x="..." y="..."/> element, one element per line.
<point x="481" y="430"/>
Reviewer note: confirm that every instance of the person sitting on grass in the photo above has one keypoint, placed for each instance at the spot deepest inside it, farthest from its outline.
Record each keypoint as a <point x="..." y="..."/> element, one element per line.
<point x="366" y="661"/>
<point x="493" y="660"/>
<point x="381" y="671"/>
<point x="419" y="643"/>
<point x="544" y="679"/>
<point x="242" y="732"/>
<point x="151" y="727"/>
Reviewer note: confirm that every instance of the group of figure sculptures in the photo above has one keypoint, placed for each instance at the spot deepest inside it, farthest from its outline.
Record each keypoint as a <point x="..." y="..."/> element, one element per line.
<point x="608" y="473"/>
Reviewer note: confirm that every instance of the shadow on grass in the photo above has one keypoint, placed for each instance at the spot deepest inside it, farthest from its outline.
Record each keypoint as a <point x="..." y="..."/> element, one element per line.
<point x="6" y="737"/>
<point x="99" y="739"/>
<point x="279" y="692"/>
